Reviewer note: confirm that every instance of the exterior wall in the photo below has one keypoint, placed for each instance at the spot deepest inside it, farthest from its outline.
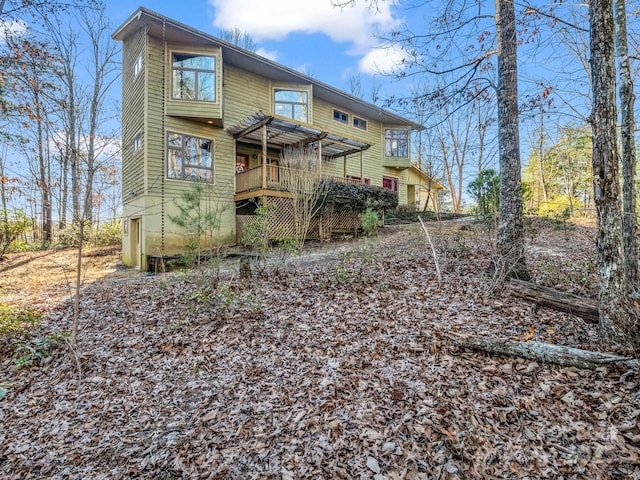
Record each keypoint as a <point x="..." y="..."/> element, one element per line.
<point x="417" y="189"/>
<point x="133" y="123"/>
<point x="144" y="172"/>
<point x="149" y="112"/>
<point x="194" y="109"/>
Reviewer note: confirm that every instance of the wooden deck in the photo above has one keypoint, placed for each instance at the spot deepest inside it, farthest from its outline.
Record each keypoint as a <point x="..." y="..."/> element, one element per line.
<point x="250" y="183"/>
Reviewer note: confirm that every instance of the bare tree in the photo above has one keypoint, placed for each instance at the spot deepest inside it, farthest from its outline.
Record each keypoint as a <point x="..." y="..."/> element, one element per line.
<point x="15" y="7"/>
<point x="30" y="70"/>
<point x="65" y="41"/>
<point x="616" y="322"/>
<point x="301" y="176"/>
<point x="627" y="128"/>
<point x="239" y="38"/>
<point x="103" y="74"/>
<point x="510" y="240"/>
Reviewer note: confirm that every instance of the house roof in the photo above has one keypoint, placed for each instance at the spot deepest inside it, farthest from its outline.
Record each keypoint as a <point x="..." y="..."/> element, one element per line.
<point x="428" y="179"/>
<point x="158" y="26"/>
<point x="282" y="131"/>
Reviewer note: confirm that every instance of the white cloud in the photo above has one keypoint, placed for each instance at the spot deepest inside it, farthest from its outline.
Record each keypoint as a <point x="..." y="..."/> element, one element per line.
<point x="14" y="27"/>
<point x="383" y="60"/>
<point x="270" y="54"/>
<point x="275" y="19"/>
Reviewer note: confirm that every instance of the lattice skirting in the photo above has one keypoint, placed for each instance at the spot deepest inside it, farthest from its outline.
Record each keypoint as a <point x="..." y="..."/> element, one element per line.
<point x="281" y="224"/>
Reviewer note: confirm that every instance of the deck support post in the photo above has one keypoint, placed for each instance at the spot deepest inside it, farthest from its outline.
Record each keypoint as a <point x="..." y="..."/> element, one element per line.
<point x="264" y="157"/>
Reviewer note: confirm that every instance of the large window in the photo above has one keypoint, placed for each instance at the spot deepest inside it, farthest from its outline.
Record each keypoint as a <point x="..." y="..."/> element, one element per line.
<point x="396" y="143"/>
<point x="292" y="104"/>
<point x="194" y="77"/>
<point x="189" y="158"/>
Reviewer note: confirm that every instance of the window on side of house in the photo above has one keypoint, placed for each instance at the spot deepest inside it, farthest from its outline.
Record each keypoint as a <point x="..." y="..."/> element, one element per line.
<point x="360" y="123"/>
<point x="341" y="117"/>
<point x="189" y="158"/>
<point x="390" y="183"/>
<point x="396" y="143"/>
<point x="193" y="77"/>
<point x="137" y="66"/>
<point x="292" y="104"/>
<point x="137" y="142"/>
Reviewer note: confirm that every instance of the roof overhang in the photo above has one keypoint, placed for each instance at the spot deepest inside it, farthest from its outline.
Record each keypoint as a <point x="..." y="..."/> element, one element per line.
<point x="283" y="132"/>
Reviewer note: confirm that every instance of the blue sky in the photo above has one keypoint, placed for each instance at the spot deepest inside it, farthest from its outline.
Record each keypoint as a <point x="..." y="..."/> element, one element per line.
<point x="311" y="36"/>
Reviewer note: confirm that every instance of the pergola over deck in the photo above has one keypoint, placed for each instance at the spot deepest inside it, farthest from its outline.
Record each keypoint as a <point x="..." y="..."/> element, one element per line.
<point x="278" y="132"/>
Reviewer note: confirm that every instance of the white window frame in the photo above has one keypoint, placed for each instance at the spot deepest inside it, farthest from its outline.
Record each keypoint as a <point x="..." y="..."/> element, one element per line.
<point x="138" y="65"/>
<point x="340" y="115"/>
<point x="198" y="73"/>
<point x="136" y="143"/>
<point x="360" y="119"/>
<point x="292" y="104"/>
<point x="394" y="138"/>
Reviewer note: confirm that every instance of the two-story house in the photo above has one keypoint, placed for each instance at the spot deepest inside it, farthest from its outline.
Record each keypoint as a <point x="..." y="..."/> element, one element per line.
<point x="195" y="107"/>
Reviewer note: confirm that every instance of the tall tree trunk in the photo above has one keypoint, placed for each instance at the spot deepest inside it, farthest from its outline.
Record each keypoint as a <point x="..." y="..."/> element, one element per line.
<point x="510" y="261"/>
<point x="43" y="176"/>
<point x="543" y="183"/>
<point x="74" y="158"/>
<point x="627" y="123"/>
<point x="64" y="185"/>
<point x="615" y="322"/>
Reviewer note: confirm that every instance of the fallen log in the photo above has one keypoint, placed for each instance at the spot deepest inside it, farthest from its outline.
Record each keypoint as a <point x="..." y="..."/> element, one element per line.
<point x="582" y="307"/>
<point x="547" y="352"/>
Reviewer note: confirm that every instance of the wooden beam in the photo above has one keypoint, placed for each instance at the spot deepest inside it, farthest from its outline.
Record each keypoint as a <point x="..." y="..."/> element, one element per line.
<point x="252" y="128"/>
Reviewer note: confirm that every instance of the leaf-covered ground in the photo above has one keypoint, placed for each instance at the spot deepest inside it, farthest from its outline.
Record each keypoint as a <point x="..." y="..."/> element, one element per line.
<point x="342" y="364"/>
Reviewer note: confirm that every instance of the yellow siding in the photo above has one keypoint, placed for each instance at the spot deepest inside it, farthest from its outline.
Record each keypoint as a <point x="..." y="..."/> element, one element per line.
<point x="244" y="95"/>
<point x="133" y="104"/>
<point x="149" y="108"/>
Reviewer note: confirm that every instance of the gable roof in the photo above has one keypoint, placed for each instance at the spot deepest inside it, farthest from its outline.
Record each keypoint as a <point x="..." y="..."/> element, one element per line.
<point x="158" y="25"/>
<point x="428" y="179"/>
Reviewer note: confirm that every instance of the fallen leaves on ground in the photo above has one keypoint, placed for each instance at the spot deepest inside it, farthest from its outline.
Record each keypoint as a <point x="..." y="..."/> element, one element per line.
<point x="341" y="367"/>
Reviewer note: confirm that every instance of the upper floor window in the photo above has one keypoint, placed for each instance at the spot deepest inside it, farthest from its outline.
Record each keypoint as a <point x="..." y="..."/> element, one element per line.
<point x="137" y="142"/>
<point x="137" y="66"/>
<point x="360" y="123"/>
<point x="292" y="104"/>
<point x="396" y="143"/>
<point x="194" y="77"/>
<point x="189" y="158"/>
<point x="341" y="117"/>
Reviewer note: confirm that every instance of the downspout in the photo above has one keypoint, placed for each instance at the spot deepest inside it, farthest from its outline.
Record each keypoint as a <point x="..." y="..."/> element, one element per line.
<point x="164" y="140"/>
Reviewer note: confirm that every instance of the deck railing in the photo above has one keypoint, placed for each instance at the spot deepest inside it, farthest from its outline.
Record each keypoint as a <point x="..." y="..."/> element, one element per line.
<point x="252" y="179"/>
